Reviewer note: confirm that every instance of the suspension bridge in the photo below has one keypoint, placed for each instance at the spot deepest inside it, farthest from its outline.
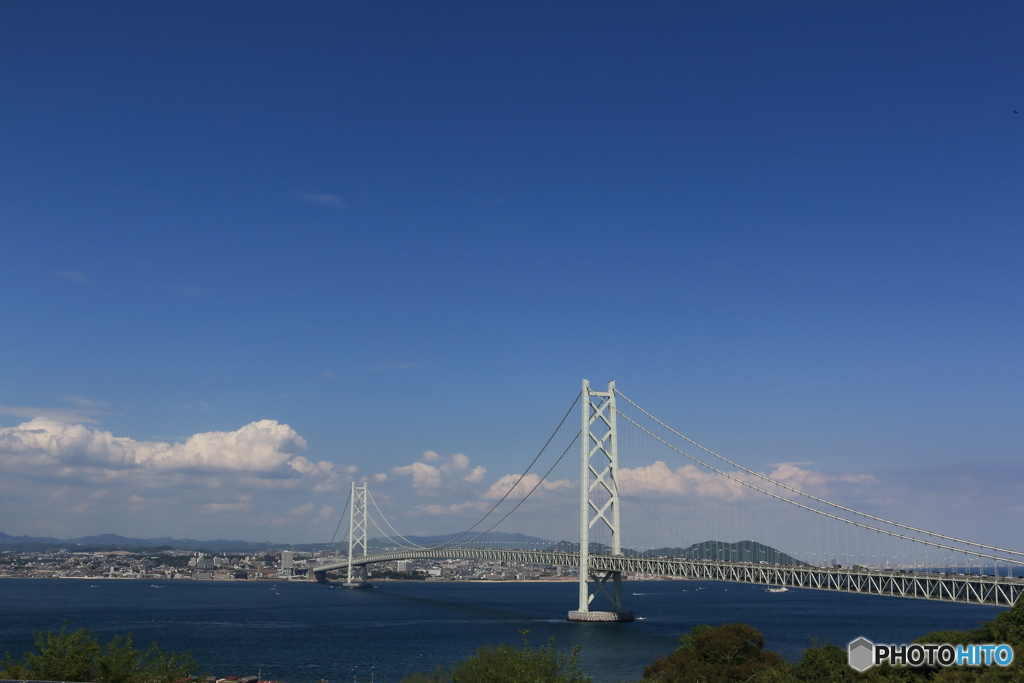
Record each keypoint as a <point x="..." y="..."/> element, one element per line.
<point x="804" y="540"/>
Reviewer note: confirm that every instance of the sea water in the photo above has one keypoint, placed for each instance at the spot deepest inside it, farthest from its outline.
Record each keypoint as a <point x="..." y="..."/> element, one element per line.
<point x="303" y="632"/>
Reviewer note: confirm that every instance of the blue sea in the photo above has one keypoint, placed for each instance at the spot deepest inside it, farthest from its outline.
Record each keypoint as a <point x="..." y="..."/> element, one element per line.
<point x="305" y="632"/>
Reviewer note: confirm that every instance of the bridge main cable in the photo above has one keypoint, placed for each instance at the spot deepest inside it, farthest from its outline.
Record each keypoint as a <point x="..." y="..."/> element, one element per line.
<point x="803" y="493"/>
<point x="893" y="534"/>
<point x="450" y="543"/>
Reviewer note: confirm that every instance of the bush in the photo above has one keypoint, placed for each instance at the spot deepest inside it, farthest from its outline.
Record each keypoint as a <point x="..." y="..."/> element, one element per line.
<point x="508" y="664"/>
<point x="78" y="656"/>
<point x="731" y="652"/>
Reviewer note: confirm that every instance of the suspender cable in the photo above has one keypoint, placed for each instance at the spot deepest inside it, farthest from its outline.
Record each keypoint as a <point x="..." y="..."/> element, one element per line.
<point x="411" y="544"/>
<point x="802" y="493"/>
<point x="521" y="476"/>
<point x="340" y="520"/>
<point x="891" y="534"/>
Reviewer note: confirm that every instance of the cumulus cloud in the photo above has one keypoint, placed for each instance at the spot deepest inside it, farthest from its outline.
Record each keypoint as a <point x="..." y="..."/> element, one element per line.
<point x="242" y="503"/>
<point x="477" y="475"/>
<point x="811" y="481"/>
<point x="684" y="481"/>
<point x="454" y="509"/>
<point x="44" y="447"/>
<point x="508" y="484"/>
<point x="428" y="478"/>
<point x="424" y="476"/>
<point x="456" y="463"/>
<point x="301" y="510"/>
<point x="688" y="480"/>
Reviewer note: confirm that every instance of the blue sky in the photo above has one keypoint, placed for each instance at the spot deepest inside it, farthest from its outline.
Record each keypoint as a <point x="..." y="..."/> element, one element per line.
<point x="794" y="232"/>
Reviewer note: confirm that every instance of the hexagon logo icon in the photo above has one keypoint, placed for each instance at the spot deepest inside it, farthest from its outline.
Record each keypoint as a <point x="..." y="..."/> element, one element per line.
<point x="861" y="654"/>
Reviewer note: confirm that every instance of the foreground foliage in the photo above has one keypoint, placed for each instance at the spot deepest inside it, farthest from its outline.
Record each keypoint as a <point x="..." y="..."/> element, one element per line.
<point x="508" y="664"/>
<point x="731" y="652"/>
<point x="78" y="656"/>
<point x="735" y="652"/>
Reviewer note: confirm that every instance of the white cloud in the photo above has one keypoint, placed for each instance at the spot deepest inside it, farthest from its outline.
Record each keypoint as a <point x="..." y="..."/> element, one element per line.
<point x="509" y="483"/>
<point x="301" y="510"/>
<point x="44" y="447"/>
<point x="688" y="480"/>
<point x="454" y="509"/>
<point x="430" y="478"/>
<point x="243" y="504"/>
<point x="424" y="476"/>
<point x="456" y="463"/>
<point x="477" y="475"/>
<point x="811" y="481"/>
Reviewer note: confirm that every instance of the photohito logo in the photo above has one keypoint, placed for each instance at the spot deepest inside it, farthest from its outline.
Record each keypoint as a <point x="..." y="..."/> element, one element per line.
<point x="862" y="654"/>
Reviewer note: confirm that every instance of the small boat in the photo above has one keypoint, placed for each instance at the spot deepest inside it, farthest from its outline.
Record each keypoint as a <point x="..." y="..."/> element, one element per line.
<point x="640" y="618"/>
<point x="780" y="589"/>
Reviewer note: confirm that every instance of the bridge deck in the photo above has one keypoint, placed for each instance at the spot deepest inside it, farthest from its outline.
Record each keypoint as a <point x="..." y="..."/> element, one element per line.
<point x="972" y="589"/>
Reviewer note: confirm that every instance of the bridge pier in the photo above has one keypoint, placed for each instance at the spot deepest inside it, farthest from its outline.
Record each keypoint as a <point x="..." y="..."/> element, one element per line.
<point x="576" y="615"/>
<point x="356" y="578"/>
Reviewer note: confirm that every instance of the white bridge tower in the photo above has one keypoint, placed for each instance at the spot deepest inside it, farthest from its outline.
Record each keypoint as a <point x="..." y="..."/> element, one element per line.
<point x="357" y="534"/>
<point x="599" y="501"/>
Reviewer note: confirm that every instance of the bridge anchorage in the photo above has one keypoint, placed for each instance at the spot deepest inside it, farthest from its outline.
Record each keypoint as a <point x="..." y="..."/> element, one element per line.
<point x="877" y="556"/>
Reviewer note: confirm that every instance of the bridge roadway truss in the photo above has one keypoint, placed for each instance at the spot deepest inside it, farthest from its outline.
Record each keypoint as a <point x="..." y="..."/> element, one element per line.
<point x="971" y="589"/>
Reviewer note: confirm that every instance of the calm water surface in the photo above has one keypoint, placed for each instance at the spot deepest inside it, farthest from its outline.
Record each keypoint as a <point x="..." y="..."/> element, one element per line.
<point x="303" y="632"/>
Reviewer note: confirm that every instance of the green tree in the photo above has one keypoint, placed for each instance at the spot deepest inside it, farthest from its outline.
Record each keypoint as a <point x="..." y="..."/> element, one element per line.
<point x="731" y="652"/>
<point x="1007" y="627"/>
<point x="508" y="664"/>
<point x="78" y="656"/>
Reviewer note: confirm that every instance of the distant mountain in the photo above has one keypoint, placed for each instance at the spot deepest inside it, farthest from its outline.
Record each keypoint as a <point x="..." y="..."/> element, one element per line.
<point x="116" y="542"/>
<point x="491" y="539"/>
<point x="593" y="548"/>
<point x="27" y="542"/>
<point x="742" y="551"/>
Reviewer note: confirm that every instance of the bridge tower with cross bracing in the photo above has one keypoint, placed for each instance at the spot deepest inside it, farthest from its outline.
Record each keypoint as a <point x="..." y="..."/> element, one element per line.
<point x="599" y="502"/>
<point x="357" y="536"/>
